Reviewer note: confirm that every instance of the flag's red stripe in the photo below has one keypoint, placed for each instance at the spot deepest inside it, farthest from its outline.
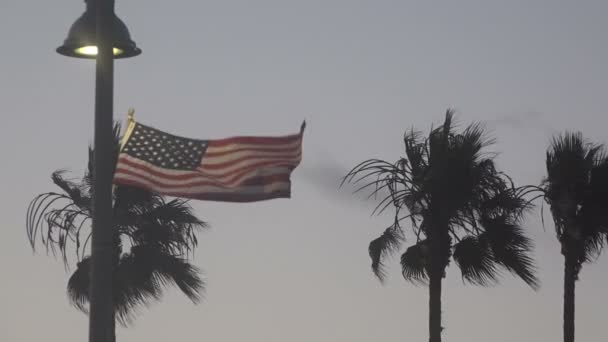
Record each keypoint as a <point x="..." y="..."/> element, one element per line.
<point x="210" y="153"/>
<point x="234" y="174"/>
<point x="225" y="165"/>
<point x="255" y="140"/>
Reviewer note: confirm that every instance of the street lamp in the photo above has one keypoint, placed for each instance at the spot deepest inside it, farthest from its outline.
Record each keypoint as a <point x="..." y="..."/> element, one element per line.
<point x="99" y="34"/>
<point x="82" y="37"/>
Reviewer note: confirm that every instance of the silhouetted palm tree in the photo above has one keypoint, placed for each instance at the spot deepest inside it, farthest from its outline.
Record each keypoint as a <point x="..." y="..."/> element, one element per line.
<point x="152" y="241"/>
<point x="459" y="207"/>
<point x="576" y="188"/>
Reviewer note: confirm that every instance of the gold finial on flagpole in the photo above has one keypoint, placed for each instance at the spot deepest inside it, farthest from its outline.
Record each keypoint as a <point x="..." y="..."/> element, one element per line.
<point x="131" y="115"/>
<point x="130" y="127"/>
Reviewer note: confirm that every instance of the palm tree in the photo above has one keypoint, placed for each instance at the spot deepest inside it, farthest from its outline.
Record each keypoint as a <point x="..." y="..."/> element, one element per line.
<point x="576" y="189"/>
<point x="459" y="207"/>
<point x="153" y="239"/>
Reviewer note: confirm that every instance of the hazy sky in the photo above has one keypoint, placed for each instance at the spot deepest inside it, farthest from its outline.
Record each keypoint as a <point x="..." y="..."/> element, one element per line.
<point x="360" y="73"/>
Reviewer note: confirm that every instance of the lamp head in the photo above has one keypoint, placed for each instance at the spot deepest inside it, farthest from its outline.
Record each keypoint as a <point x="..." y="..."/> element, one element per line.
<point x="82" y="37"/>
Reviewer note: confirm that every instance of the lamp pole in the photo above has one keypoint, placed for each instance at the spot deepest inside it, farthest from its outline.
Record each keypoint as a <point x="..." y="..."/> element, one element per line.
<point x="99" y="34"/>
<point x="101" y="314"/>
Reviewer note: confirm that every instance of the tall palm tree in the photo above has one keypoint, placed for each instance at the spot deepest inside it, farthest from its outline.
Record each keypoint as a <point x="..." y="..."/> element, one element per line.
<point x="459" y="207"/>
<point x="576" y="189"/>
<point x="153" y="239"/>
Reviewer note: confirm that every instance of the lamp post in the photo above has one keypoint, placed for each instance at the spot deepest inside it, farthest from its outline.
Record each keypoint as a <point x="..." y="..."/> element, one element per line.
<point x="99" y="34"/>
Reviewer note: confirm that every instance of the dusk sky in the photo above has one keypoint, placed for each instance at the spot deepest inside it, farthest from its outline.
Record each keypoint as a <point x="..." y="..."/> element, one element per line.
<point x="360" y="73"/>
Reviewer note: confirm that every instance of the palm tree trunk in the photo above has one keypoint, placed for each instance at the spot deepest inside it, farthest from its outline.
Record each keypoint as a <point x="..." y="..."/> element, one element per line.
<point x="435" y="306"/>
<point x="569" y="289"/>
<point x="435" y="278"/>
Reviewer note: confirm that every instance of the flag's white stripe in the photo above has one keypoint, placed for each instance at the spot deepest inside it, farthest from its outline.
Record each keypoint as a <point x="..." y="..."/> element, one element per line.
<point x="134" y="172"/>
<point x="236" y="146"/>
<point x="226" y="158"/>
<point x="246" y="190"/>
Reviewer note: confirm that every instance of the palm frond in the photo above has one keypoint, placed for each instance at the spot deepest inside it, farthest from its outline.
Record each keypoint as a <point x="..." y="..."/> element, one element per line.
<point x="142" y="276"/>
<point x="506" y="202"/>
<point x="510" y="248"/>
<point x="414" y="263"/>
<point x="415" y="151"/>
<point x="79" y="284"/>
<point x="136" y="284"/>
<point x="383" y="246"/>
<point x="171" y="226"/>
<point x="181" y="273"/>
<point x="476" y="262"/>
<point x="56" y="220"/>
<point x="135" y="200"/>
<point x="170" y="269"/>
<point x="594" y="213"/>
<point x="75" y="191"/>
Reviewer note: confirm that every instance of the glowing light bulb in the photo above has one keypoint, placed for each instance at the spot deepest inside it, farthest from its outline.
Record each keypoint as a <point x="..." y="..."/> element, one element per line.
<point x="91" y="50"/>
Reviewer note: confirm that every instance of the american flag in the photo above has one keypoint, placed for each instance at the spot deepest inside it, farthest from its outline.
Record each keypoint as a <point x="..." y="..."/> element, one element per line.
<point x="236" y="169"/>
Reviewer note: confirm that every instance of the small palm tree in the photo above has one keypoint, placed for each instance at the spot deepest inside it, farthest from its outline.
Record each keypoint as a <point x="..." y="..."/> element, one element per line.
<point x="152" y="241"/>
<point x="576" y="189"/>
<point x="459" y="207"/>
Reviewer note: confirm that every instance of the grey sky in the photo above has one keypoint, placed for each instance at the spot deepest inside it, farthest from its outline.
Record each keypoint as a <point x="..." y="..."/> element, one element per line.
<point x="360" y="73"/>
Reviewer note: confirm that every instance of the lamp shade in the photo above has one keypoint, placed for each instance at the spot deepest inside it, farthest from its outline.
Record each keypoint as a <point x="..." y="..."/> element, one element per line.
<point x="82" y="37"/>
